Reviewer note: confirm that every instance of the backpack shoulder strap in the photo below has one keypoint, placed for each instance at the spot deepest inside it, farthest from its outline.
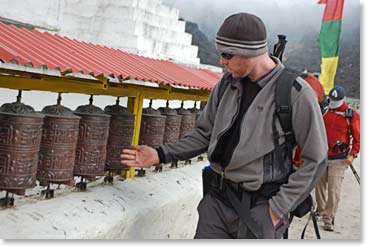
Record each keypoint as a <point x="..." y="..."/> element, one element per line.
<point x="283" y="111"/>
<point x="283" y="107"/>
<point x="349" y="113"/>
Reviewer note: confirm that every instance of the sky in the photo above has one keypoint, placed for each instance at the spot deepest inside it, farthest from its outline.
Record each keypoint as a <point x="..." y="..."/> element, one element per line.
<point x="291" y="16"/>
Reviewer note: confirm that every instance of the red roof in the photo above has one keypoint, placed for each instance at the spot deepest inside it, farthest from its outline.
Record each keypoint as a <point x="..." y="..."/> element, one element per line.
<point x="53" y="51"/>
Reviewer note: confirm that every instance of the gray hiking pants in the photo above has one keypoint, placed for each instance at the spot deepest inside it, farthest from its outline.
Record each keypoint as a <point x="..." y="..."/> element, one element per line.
<point x="218" y="220"/>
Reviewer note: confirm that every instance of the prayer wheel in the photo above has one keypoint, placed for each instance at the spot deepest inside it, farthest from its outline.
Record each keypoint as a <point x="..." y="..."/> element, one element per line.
<point x="92" y="141"/>
<point x="20" y="138"/>
<point x="120" y="135"/>
<point x="151" y="131"/>
<point x="187" y="123"/>
<point x="152" y="127"/>
<point x="58" y="145"/>
<point x="172" y="126"/>
<point x="196" y="112"/>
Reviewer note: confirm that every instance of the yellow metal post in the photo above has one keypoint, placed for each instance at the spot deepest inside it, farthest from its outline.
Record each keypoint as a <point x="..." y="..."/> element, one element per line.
<point x="135" y="106"/>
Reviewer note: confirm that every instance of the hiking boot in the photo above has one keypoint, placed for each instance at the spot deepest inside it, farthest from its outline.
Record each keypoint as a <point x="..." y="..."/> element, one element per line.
<point x="318" y="216"/>
<point x="328" y="227"/>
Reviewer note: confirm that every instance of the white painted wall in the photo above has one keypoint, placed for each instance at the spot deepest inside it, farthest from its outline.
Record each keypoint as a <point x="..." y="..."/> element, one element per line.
<point x="47" y="14"/>
<point x="144" y="27"/>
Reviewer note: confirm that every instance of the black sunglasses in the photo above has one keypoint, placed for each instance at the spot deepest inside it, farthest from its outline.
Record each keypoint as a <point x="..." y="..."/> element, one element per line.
<point x="227" y="56"/>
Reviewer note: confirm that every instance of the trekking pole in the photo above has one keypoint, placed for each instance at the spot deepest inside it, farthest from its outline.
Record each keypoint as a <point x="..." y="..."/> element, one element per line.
<point x="314" y="221"/>
<point x="355" y="174"/>
<point x="315" y="226"/>
<point x="279" y="47"/>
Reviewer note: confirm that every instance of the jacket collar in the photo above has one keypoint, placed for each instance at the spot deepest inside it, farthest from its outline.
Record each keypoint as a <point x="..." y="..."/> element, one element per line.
<point x="267" y="77"/>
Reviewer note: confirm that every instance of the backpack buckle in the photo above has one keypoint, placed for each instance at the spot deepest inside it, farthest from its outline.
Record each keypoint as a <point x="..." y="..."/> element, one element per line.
<point x="288" y="133"/>
<point x="289" y="136"/>
<point x="276" y="135"/>
<point x="283" y="109"/>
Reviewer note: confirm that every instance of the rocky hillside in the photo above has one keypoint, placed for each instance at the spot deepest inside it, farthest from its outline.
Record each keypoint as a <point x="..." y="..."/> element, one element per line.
<point x="207" y="51"/>
<point x="301" y="54"/>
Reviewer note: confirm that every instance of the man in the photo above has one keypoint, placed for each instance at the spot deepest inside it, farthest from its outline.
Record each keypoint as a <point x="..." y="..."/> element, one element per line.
<point x="253" y="192"/>
<point x="323" y="103"/>
<point x="343" y="135"/>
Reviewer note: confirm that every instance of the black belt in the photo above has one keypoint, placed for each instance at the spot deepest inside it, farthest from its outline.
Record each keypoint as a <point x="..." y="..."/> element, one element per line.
<point x="266" y="191"/>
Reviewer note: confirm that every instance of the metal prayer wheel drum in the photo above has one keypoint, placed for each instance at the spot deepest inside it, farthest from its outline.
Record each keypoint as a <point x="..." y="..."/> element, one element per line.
<point x="152" y="127"/>
<point x="120" y="135"/>
<point x="91" y="147"/>
<point x="58" y="145"/>
<point x="20" y="138"/>
<point x="172" y="126"/>
<point x="196" y="113"/>
<point x="187" y="123"/>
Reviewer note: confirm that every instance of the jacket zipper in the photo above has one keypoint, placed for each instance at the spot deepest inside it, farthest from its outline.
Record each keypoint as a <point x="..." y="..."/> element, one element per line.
<point x="221" y="179"/>
<point x="221" y="135"/>
<point x="272" y="170"/>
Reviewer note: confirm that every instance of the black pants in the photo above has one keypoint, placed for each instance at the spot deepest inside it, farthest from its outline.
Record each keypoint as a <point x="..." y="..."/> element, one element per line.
<point x="219" y="220"/>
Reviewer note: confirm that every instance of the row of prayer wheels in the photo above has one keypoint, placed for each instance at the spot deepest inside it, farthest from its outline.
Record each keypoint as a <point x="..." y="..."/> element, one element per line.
<point x="166" y="125"/>
<point x="57" y="144"/>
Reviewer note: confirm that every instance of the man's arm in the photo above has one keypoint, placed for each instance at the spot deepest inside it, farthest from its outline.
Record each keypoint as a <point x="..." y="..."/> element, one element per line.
<point x="191" y="145"/>
<point x="355" y="131"/>
<point x="198" y="140"/>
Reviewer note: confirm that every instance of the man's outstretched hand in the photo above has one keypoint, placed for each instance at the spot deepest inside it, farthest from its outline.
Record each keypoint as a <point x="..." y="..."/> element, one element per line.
<point x="139" y="156"/>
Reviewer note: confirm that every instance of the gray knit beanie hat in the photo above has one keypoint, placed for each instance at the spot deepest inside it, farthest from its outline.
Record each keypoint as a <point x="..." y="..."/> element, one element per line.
<point x="242" y="34"/>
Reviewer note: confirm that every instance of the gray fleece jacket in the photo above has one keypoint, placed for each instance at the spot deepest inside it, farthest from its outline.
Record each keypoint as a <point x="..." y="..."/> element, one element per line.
<point x="247" y="164"/>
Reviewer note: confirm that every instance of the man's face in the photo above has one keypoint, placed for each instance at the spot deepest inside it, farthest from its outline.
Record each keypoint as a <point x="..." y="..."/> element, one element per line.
<point x="238" y="66"/>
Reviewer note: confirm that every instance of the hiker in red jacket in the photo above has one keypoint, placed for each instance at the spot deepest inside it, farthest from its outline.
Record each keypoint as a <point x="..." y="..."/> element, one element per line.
<point x="343" y="134"/>
<point x="322" y="100"/>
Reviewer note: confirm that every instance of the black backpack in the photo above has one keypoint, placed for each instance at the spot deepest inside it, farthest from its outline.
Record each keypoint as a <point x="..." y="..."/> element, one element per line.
<point x="283" y="111"/>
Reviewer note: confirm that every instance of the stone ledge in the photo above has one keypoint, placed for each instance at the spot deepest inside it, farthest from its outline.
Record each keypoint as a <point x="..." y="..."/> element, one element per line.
<point x="157" y="206"/>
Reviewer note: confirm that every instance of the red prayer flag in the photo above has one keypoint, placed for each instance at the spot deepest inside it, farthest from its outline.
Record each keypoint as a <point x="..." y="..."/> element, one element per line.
<point x="333" y="9"/>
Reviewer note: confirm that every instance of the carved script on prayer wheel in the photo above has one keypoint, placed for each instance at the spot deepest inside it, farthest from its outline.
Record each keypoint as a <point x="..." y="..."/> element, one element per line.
<point x="91" y="148"/>
<point x="187" y="123"/>
<point x="120" y="135"/>
<point x="152" y="128"/>
<point x="58" y="145"/>
<point x="173" y="125"/>
<point x="20" y="138"/>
